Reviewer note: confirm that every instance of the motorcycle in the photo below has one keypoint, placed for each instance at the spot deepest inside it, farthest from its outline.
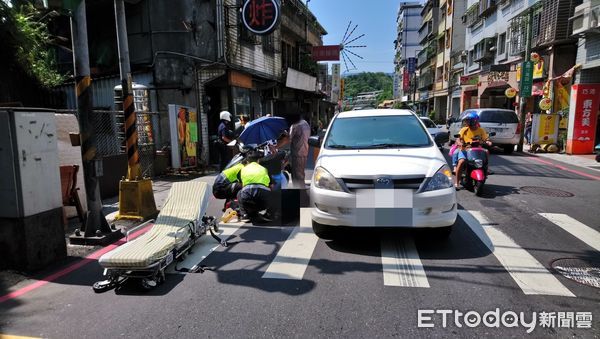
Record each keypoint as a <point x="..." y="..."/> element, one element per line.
<point x="474" y="175"/>
<point x="597" y="149"/>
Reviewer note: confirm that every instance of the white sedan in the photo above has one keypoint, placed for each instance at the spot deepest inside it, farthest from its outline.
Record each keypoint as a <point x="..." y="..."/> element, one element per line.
<point x="381" y="168"/>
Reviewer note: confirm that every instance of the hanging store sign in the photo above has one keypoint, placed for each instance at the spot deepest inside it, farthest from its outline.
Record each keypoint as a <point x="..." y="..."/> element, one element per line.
<point x="472" y="80"/>
<point x="583" y="113"/>
<point x="326" y="53"/>
<point x="545" y="128"/>
<point x="405" y="80"/>
<point x="260" y="16"/>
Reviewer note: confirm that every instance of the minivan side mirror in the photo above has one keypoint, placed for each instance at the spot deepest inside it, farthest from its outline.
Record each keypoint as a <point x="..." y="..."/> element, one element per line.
<point x="314" y="141"/>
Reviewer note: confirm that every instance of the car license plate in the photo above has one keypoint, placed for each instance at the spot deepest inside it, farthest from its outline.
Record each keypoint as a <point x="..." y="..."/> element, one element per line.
<point x="169" y="259"/>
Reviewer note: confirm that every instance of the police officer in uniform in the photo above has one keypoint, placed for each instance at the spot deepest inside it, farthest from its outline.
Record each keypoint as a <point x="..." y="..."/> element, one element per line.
<point x="255" y="195"/>
<point x="228" y="183"/>
<point x="225" y="135"/>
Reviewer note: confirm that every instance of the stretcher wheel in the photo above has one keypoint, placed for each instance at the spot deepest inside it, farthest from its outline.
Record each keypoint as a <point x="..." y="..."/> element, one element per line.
<point x="103" y="286"/>
<point x="149" y="284"/>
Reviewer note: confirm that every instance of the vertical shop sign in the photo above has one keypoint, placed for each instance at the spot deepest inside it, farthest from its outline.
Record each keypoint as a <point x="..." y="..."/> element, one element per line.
<point x="583" y="114"/>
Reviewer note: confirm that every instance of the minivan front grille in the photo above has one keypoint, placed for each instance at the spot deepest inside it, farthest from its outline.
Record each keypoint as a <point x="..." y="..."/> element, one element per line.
<point x="399" y="183"/>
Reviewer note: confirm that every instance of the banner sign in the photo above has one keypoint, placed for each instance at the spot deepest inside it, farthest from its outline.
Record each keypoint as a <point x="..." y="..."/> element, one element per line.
<point x="405" y="80"/>
<point x="326" y="53"/>
<point x="471" y="80"/>
<point x="335" y="82"/>
<point x="544" y="128"/>
<point x="412" y="65"/>
<point x="183" y="125"/>
<point x="583" y="114"/>
<point x="526" y="79"/>
<point x="260" y="16"/>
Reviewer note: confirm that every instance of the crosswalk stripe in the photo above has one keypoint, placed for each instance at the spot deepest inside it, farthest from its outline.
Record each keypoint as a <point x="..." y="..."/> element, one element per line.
<point x="578" y="229"/>
<point x="293" y="257"/>
<point x="401" y="264"/>
<point x="531" y="276"/>
<point x="205" y="246"/>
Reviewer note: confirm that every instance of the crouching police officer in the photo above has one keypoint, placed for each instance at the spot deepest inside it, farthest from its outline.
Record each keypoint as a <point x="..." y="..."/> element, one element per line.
<point x="255" y="195"/>
<point x="228" y="183"/>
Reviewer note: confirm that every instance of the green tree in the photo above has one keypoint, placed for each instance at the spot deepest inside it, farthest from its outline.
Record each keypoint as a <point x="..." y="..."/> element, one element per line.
<point x="368" y="82"/>
<point x="26" y="42"/>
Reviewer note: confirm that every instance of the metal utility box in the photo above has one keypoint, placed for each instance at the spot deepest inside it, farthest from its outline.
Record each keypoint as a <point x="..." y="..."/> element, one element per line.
<point x="30" y="180"/>
<point x="31" y="230"/>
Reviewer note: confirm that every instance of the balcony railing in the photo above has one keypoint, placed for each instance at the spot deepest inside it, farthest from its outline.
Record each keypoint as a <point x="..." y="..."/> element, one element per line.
<point x="426" y="78"/>
<point x="425" y="30"/>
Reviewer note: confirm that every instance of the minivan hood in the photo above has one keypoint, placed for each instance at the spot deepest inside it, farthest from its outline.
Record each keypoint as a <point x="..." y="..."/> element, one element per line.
<point x="392" y="162"/>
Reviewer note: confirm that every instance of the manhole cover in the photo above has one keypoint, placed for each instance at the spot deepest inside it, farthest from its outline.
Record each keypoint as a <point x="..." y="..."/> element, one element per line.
<point x="549" y="192"/>
<point x="582" y="271"/>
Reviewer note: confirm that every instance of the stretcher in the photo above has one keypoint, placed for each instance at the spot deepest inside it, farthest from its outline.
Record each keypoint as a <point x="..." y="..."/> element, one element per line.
<point x="180" y="223"/>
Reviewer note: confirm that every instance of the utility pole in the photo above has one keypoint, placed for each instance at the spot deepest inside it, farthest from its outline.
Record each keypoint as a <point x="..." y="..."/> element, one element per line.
<point x="521" y="96"/>
<point x="136" y="198"/>
<point x="96" y="229"/>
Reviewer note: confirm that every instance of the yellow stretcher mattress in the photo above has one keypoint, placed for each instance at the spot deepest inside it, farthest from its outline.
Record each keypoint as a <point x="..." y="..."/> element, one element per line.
<point x="187" y="201"/>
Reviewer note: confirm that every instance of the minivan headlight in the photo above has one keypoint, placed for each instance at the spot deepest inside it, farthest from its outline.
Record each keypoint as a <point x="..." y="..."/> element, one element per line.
<point x="324" y="180"/>
<point x="440" y="180"/>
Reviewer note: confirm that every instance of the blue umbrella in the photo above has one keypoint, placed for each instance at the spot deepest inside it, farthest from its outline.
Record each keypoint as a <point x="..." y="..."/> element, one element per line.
<point x="263" y="129"/>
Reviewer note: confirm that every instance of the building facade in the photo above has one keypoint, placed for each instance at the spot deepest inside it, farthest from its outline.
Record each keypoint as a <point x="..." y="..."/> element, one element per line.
<point x="427" y="57"/>
<point x="407" y="46"/>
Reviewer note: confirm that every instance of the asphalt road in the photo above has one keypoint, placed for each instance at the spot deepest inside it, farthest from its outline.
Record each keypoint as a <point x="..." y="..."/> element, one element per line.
<point x="499" y="256"/>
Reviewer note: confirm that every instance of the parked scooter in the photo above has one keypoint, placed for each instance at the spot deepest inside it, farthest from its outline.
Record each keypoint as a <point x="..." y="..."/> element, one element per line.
<point x="597" y="149"/>
<point x="475" y="173"/>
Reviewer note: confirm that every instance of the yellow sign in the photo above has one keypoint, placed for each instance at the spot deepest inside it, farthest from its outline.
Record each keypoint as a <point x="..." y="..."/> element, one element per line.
<point x="510" y="92"/>
<point x="546" y="128"/>
<point x="538" y="70"/>
<point x="545" y="104"/>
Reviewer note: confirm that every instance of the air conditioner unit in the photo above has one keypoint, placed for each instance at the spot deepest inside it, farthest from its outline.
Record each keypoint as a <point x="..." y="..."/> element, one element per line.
<point x="586" y="18"/>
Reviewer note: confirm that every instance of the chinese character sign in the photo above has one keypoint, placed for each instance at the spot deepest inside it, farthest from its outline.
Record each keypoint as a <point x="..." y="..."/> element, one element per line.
<point x="326" y="53"/>
<point x="583" y="114"/>
<point x="405" y="80"/>
<point x="260" y="16"/>
<point x="335" y="82"/>
<point x="526" y="79"/>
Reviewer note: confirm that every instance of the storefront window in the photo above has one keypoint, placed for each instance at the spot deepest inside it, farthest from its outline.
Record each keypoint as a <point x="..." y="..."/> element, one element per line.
<point x="241" y="101"/>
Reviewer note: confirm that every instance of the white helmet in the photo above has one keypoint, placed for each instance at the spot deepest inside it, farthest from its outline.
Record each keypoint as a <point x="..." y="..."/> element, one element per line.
<point x="225" y="116"/>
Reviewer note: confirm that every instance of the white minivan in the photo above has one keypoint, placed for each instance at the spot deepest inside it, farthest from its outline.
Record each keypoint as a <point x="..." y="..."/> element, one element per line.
<point x="380" y="168"/>
<point x="504" y="122"/>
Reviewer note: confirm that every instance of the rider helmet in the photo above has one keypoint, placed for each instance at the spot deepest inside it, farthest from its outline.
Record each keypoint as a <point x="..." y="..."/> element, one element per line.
<point x="471" y="119"/>
<point x="224" y="115"/>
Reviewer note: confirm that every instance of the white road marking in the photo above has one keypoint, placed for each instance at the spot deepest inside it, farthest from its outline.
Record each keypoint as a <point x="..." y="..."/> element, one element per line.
<point x="531" y="276"/>
<point x="578" y="229"/>
<point x="293" y="257"/>
<point x="401" y="264"/>
<point x="205" y="246"/>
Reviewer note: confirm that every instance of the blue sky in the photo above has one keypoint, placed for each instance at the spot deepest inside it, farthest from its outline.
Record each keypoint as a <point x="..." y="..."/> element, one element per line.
<point x="375" y="18"/>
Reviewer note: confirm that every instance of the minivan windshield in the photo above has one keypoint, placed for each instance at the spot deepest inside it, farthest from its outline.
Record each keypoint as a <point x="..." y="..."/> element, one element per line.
<point x="499" y="117"/>
<point x="371" y="132"/>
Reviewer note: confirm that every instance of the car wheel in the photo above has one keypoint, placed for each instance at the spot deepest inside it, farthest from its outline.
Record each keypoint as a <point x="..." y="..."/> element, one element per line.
<point x="442" y="233"/>
<point x="323" y="231"/>
<point x="508" y="149"/>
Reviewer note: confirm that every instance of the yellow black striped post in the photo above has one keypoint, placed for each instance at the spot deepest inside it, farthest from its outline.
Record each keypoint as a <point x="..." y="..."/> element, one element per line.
<point x="131" y="136"/>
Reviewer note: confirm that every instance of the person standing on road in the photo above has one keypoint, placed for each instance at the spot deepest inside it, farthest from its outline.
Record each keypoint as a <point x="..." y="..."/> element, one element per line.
<point x="225" y="135"/>
<point x="528" y="125"/>
<point x="243" y="121"/>
<point x="299" y="134"/>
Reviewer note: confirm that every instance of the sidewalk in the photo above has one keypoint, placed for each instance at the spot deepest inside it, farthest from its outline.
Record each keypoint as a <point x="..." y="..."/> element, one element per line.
<point x="587" y="160"/>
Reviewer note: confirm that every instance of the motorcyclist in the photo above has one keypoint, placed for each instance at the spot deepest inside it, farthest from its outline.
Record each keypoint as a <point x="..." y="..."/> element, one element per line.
<point x="471" y="130"/>
<point x="256" y="194"/>
<point x="228" y="183"/>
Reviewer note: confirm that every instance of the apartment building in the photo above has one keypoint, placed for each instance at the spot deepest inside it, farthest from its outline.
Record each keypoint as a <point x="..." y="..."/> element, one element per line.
<point x="407" y="46"/>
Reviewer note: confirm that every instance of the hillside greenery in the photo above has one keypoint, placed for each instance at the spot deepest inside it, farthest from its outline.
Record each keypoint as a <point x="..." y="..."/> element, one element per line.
<point x="368" y="82"/>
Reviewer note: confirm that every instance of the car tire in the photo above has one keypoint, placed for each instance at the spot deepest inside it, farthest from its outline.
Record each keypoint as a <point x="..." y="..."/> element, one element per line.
<point x="323" y="231"/>
<point x="508" y="149"/>
<point x="442" y="233"/>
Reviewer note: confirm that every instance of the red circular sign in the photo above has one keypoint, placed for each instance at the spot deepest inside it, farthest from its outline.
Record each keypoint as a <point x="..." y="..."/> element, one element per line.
<point x="260" y="16"/>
